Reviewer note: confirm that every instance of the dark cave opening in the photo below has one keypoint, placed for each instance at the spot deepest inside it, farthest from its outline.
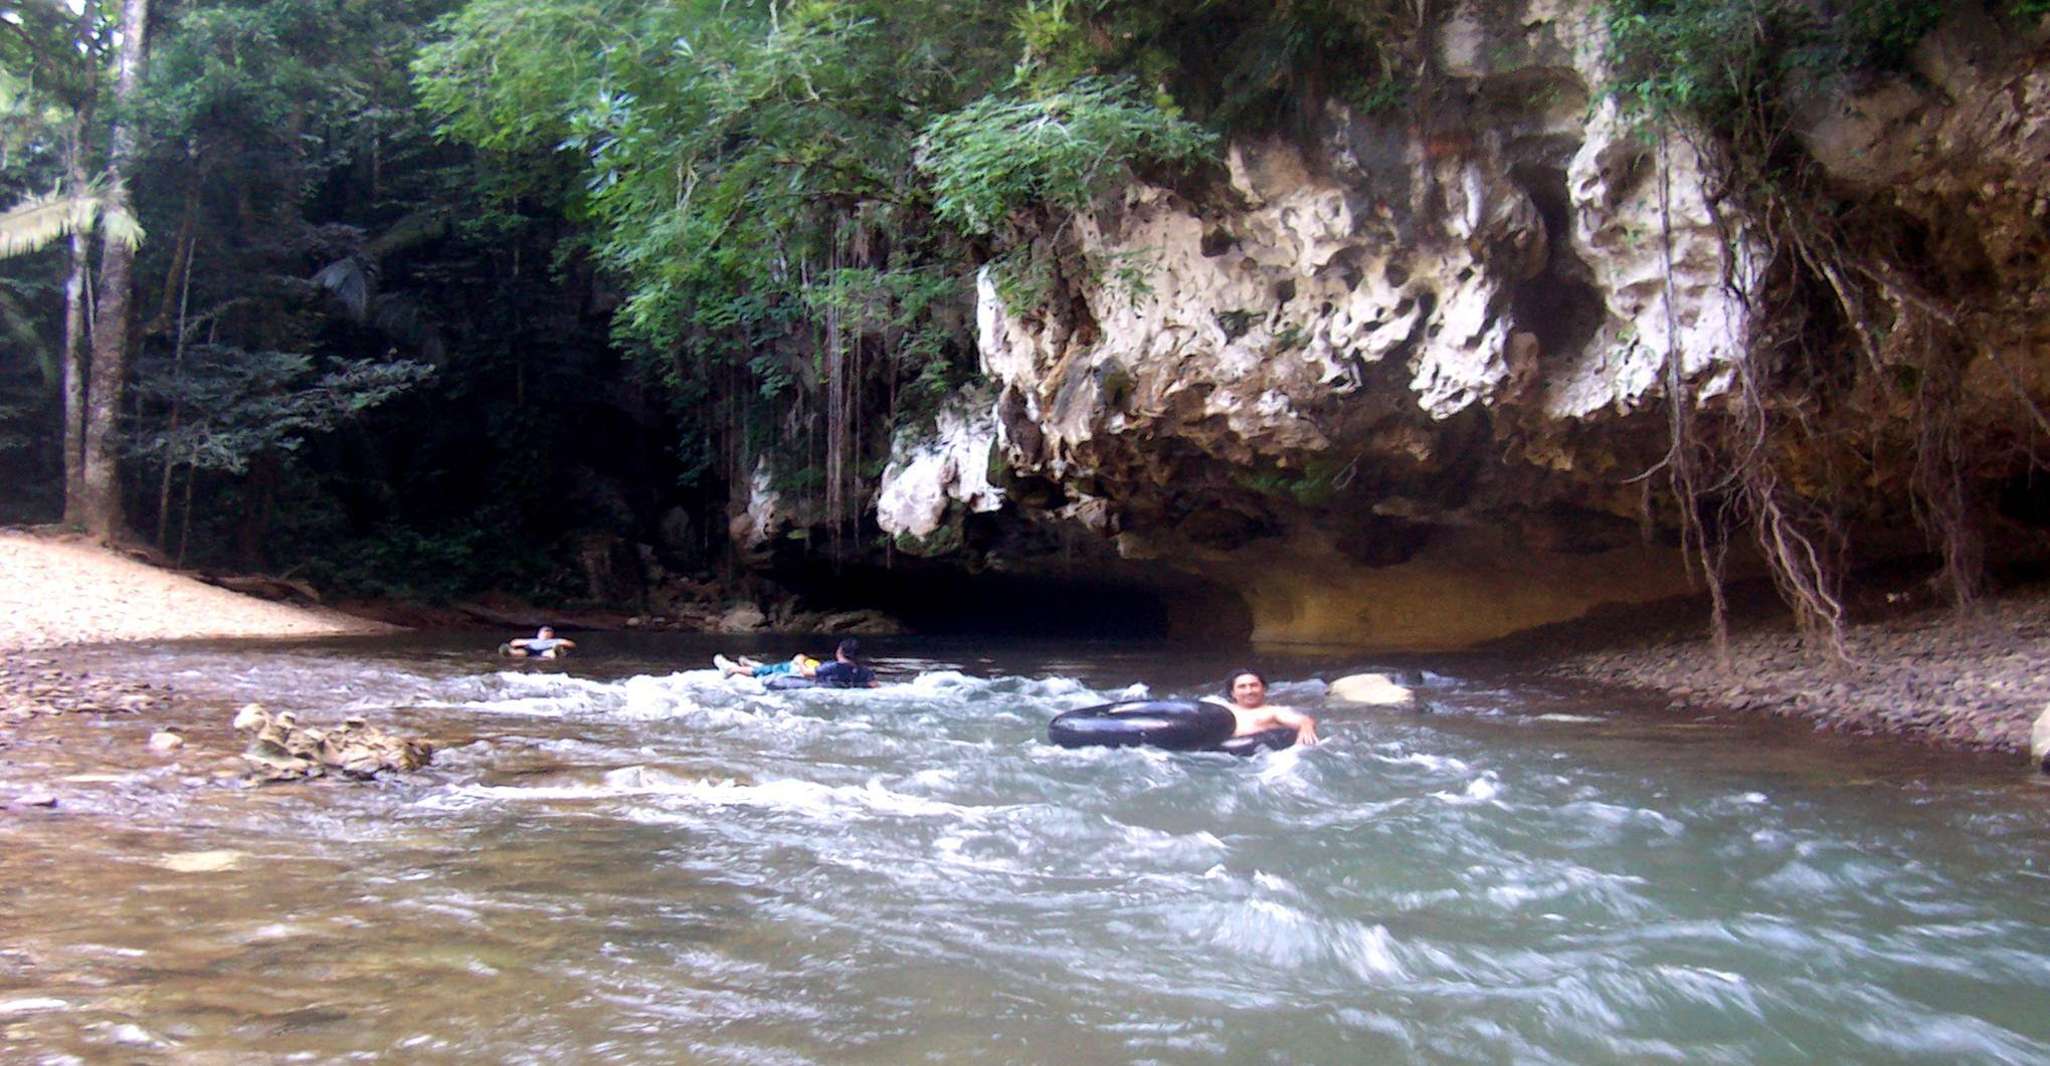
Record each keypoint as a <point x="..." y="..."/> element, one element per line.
<point x="1558" y="306"/>
<point x="939" y="600"/>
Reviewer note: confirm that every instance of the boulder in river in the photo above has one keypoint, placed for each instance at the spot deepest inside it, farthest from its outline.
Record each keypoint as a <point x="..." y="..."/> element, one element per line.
<point x="2039" y="740"/>
<point x="1377" y="690"/>
<point x="251" y="716"/>
<point x="284" y="750"/>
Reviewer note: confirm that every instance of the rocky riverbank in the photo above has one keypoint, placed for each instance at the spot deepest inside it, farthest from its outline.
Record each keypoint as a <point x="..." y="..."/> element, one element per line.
<point x="1975" y="681"/>
<point x="57" y="590"/>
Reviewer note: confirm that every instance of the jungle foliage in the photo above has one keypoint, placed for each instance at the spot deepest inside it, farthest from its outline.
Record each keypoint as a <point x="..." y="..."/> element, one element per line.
<point x="795" y="197"/>
<point x="631" y="248"/>
<point x="331" y="307"/>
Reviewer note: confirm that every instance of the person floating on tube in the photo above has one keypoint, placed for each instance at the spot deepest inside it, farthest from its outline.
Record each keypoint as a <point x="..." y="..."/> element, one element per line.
<point x="1248" y="693"/>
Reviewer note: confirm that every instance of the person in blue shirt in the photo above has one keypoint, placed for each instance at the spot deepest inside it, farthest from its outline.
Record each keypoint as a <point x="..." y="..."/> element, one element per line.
<point x="846" y="671"/>
<point x="800" y="665"/>
<point x="544" y="644"/>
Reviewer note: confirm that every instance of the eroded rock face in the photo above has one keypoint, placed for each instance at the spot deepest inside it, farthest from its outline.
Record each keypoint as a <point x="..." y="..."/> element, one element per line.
<point x="759" y="516"/>
<point x="1961" y="149"/>
<point x="1363" y="394"/>
<point x="947" y="472"/>
<point x="1403" y="386"/>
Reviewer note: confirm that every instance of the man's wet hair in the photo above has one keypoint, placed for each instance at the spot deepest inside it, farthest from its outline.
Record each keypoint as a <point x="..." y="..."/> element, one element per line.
<point x="850" y="647"/>
<point x="1233" y="679"/>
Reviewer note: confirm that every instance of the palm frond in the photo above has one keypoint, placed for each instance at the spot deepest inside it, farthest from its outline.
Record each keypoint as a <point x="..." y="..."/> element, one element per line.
<point x="39" y="220"/>
<point x="122" y="228"/>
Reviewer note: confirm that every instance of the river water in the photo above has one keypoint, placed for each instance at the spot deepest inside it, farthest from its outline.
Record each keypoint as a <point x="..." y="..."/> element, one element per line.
<point x="622" y="858"/>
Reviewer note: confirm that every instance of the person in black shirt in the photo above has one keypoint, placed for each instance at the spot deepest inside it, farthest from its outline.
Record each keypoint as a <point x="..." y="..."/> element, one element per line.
<point x="846" y="671"/>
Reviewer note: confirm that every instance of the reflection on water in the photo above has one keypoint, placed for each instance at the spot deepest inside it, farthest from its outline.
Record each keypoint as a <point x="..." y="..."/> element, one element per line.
<point x="622" y="858"/>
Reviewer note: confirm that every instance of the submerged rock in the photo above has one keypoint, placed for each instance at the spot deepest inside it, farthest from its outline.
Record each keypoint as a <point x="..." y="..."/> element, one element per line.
<point x="26" y="693"/>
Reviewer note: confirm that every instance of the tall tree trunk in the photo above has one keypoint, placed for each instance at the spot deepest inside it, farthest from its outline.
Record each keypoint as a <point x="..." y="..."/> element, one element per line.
<point x="177" y="407"/>
<point x="76" y="337"/>
<point x="76" y="367"/>
<point x="260" y="494"/>
<point x="100" y="504"/>
<point x="181" y="260"/>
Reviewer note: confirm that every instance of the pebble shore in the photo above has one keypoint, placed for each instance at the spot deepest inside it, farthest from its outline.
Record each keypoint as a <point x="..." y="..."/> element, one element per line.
<point x="1974" y="682"/>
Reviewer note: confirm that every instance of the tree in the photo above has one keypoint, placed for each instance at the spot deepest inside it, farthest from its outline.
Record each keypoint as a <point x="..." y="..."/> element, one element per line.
<point x="753" y="178"/>
<point x="100" y="508"/>
<point x="54" y="56"/>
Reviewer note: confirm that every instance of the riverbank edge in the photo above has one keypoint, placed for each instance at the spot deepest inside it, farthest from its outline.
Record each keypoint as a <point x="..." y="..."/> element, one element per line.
<point x="59" y="589"/>
<point x="1966" y="681"/>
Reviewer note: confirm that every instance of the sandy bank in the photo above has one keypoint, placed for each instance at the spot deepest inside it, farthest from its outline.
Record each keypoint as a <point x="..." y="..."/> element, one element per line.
<point x="56" y="590"/>
<point x="1975" y="681"/>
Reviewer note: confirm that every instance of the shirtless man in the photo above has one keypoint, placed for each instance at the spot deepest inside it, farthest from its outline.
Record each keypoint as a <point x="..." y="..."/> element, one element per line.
<point x="1249" y="705"/>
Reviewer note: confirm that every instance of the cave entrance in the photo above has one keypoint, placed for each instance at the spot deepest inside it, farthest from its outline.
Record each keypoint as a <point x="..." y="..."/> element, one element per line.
<point x="1560" y="306"/>
<point x="940" y="602"/>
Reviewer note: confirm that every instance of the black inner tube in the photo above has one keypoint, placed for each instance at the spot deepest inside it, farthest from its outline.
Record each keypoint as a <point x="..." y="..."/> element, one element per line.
<point x="1275" y="739"/>
<point x="1175" y="725"/>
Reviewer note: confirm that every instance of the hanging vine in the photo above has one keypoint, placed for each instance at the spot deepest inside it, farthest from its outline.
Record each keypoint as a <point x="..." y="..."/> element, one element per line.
<point x="1853" y="334"/>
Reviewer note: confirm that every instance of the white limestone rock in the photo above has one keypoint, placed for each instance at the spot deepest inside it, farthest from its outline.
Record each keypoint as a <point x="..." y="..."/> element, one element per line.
<point x="925" y="477"/>
<point x="1638" y="208"/>
<point x="1374" y="690"/>
<point x="758" y="517"/>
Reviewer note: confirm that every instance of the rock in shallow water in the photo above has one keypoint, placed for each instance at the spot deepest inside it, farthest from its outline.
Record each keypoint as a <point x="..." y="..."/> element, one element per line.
<point x="2039" y="741"/>
<point x="194" y="862"/>
<point x="1377" y="690"/>
<point x="251" y="716"/>
<point x="284" y="750"/>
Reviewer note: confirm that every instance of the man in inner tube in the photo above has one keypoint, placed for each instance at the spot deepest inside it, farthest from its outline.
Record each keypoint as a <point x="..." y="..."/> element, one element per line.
<point x="846" y="671"/>
<point x="544" y="644"/>
<point x="1249" y="705"/>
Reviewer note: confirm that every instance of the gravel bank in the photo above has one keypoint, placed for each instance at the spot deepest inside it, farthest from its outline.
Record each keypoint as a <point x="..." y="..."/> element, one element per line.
<point x="1975" y="682"/>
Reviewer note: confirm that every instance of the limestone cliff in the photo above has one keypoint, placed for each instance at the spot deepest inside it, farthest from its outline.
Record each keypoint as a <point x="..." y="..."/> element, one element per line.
<point x="1402" y="385"/>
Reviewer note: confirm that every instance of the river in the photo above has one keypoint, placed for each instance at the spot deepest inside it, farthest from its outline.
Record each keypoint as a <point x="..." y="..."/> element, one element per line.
<point x="621" y="858"/>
